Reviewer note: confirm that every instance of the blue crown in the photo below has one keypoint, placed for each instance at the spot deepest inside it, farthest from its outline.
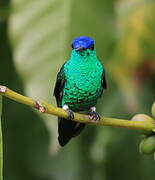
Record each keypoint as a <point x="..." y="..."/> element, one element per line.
<point x="82" y="41"/>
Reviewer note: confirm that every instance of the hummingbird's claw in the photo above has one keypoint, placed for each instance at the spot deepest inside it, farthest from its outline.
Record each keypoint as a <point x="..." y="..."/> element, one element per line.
<point x="69" y="111"/>
<point x="93" y="115"/>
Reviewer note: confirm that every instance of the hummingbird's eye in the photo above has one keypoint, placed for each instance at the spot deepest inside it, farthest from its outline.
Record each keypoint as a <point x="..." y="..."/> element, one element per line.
<point x="72" y="46"/>
<point x="91" y="47"/>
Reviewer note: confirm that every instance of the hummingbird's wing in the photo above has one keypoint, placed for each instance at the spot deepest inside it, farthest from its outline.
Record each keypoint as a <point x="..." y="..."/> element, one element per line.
<point x="59" y="85"/>
<point x="104" y="81"/>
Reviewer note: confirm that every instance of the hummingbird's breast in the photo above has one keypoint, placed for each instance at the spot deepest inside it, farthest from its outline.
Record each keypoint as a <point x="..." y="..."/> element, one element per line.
<point x="83" y="85"/>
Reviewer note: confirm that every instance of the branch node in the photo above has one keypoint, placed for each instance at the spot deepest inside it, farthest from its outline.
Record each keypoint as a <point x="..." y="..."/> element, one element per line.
<point x="40" y="107"/>
<point x="3" y="89"/>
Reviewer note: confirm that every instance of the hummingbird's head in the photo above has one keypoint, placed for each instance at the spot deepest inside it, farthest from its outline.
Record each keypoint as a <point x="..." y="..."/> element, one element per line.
<point x="83" y="45"/>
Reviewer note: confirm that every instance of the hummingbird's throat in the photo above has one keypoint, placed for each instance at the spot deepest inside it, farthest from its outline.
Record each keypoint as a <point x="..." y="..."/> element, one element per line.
<point x="84" y="53"/>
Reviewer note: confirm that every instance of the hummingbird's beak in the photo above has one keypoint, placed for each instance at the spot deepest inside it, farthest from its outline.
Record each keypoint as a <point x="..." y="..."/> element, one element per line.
<point x="79" y="49"/>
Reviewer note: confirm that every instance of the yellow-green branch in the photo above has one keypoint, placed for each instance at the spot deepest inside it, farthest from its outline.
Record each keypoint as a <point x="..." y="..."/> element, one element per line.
<point x="44" y="107"/>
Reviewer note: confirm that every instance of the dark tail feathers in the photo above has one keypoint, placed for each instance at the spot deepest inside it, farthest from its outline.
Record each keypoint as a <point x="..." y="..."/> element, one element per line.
<point x="68" y="129"/>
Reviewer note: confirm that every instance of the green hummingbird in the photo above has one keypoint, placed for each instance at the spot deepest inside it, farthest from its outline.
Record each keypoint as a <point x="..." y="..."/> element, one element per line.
<point x="80" y="83"/>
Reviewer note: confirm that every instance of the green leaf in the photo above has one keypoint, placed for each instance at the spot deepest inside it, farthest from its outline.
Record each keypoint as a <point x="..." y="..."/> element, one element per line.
<point x="1" y="143"/>
<point x="38" y="31"/>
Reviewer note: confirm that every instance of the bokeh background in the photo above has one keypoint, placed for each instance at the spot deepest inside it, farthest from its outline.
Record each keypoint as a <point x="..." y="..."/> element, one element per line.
<point x="35" y="39"/>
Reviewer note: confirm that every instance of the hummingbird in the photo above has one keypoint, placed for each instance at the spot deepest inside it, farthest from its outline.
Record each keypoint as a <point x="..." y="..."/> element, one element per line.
<point x="79" y="84"/>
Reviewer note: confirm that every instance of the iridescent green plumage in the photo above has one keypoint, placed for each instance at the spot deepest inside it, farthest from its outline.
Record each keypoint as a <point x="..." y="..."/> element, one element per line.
<point x="84" y="81"/>
<point x="80" y="83"/>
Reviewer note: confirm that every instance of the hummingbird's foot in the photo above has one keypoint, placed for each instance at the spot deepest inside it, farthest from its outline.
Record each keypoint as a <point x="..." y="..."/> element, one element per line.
<point x="93" y="115"/>
<point x="69" y="111"/>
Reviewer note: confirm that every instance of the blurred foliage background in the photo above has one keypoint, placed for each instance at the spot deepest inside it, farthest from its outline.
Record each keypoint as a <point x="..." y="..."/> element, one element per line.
<point x="35" y="38"/>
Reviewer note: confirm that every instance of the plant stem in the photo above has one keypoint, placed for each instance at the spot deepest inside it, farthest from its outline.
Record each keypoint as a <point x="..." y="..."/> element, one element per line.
<point x="1" y="142"/>
<point x="44" y="107"/>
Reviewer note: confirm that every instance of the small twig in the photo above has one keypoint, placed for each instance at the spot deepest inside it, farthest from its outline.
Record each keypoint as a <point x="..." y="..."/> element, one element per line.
<point x="44" y="107"/>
